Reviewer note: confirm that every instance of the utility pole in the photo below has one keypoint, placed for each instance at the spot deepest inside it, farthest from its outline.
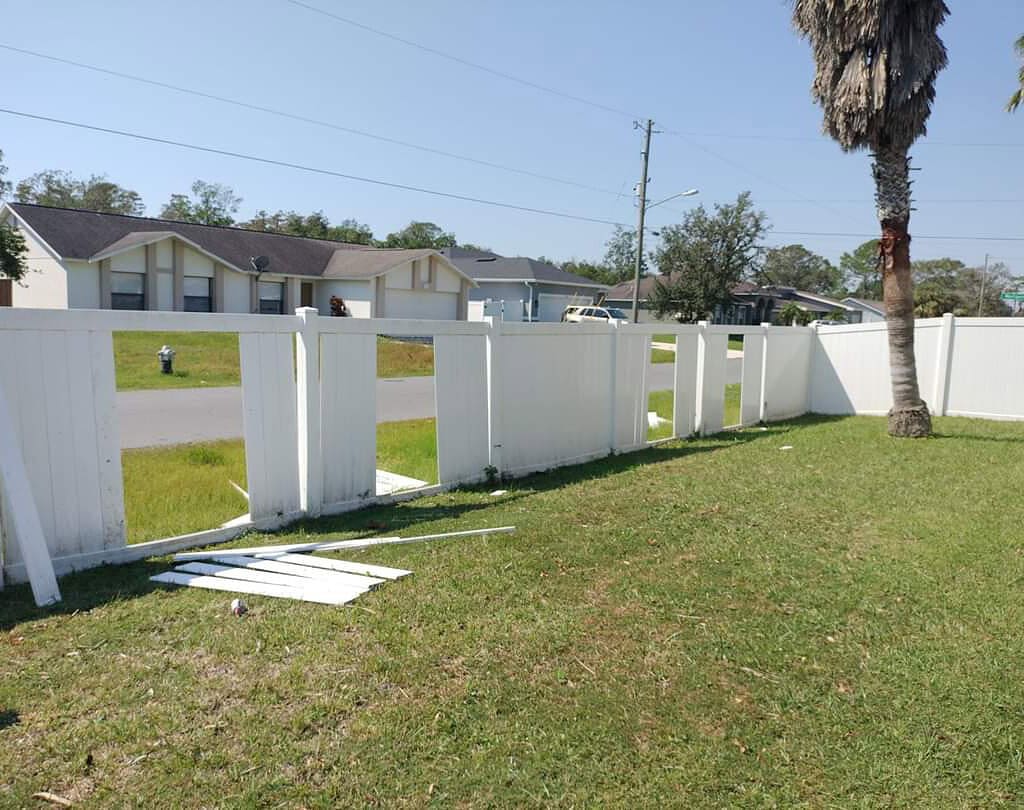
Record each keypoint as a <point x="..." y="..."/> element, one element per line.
<point x="642" y="190"/>
<point x="981" y="295"/>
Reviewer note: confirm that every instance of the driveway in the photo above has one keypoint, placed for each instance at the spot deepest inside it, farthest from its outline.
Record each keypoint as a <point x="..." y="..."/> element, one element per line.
<point x="181" y="415"/>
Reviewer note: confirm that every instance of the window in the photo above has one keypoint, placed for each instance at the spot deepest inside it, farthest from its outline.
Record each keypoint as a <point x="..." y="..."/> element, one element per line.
<point x="271" y="297"/>
<point x="197" y="294"/>
<point x="127" y="291"/>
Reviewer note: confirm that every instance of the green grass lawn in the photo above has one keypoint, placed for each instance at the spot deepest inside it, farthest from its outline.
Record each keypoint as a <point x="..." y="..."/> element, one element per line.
<point x="184" y="488"/>
<point x="661" y="403"/>
<point x="211" y="359"/>
<point x="716" y="623"/>
<point x="735" y="343"/>
<point x="662" y="356"/>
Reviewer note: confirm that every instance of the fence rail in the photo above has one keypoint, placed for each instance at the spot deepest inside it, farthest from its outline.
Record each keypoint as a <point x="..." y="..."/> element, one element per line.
<point x="511" y="398"/>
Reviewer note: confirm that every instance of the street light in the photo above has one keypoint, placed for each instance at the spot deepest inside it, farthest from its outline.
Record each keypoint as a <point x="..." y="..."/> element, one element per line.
<point x="690" y="192"/>
<point x="640" y="229"/>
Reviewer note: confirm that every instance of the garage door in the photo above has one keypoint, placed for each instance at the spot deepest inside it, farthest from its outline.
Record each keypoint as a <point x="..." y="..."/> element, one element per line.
<point x="421" y="305"/>
<point x="550" y="307"/>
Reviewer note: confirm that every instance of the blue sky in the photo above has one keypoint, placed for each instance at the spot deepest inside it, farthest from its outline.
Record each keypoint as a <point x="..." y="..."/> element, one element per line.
<point x="732" y="77"/>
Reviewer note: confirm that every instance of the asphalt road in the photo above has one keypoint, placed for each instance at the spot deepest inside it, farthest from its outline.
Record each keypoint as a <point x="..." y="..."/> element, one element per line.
<point x="180" y="415"/>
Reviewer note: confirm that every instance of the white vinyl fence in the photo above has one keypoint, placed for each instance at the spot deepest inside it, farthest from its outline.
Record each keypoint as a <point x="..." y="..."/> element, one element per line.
<point x="511" y="398"/>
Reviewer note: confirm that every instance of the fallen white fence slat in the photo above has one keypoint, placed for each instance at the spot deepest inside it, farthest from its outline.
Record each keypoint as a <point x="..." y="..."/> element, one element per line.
<point x="365" y="569"/>
<point x="302" y="573"/>
<point x="240" y="586"/>
<point x="24" y="516"/>
<point x="342" y="544"/>
<point x="329" y="588"/>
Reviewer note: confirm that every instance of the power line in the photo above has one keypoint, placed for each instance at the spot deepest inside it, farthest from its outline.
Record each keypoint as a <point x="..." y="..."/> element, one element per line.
<point x="459" y="60"/>
<point x="913" y="236"/>
<point x="312" y="169"/>
<point x="304" y="119"/>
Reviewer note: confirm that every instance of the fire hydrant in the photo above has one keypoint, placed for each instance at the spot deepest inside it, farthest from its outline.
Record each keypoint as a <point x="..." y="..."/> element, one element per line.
<point x="166" y="355"/>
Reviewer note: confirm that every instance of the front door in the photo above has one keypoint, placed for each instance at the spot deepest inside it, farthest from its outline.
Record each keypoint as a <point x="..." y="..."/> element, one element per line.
<point x="6" y="292"/>
<point x="306" y="294"/>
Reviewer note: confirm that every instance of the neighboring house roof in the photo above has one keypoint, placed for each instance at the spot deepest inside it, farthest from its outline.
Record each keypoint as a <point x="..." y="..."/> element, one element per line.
<point x="867" y="303"/>
<point x="92" y="236"/>
<point x="483" y="265"/>
<point x="624" y="291"/>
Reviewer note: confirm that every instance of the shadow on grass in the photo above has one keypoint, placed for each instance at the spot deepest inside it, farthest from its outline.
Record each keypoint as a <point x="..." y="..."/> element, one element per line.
<point x="8" y="717"/>
<point x="85" y="590"/>
<point x="82" y="591"/>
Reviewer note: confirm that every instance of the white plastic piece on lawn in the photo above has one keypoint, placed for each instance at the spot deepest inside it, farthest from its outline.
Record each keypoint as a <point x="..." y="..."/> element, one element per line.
<point x="241" y="586"/>
<point x="23" y="514"/>
<point x="327" y="588"/>
<point x="304" y="573"/>
<point x="338" y="545"/>
<point x="367" y="570"/>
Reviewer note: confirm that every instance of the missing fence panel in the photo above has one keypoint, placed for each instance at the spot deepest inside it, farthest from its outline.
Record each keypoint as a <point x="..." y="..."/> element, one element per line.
<point x="733" y="382"/>
<point x="660" y="375"/>
<point x="406" y="417"/>
<point x="179" y="404"/>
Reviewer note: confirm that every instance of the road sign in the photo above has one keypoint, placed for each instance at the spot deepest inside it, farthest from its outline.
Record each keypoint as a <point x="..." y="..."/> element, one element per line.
<point x="1012" y="296"/>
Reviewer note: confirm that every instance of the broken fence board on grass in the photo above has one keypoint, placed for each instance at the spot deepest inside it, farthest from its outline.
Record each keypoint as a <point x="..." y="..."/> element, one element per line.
<point x="338" y="545"/>
<point x="23" y="516"/>
<point x="240" y="586"/>
<point x="301" y="572"/>
<point x="381" y="571"/>
<point x="329" y="588"/>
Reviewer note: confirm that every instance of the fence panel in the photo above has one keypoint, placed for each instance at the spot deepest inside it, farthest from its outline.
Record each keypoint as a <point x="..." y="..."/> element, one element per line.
<point x="60" y="390"/>
<point x="713" y="356"/>
<point x="270" y="423"/>
<point x="460" y="392"/>
<point x="556" y="383"/>
<point x="348" y="413"/>
<point x="685" y="387"/>
<point x="751" y="379"/>
<point x="786" y="371"/>
<point x="984" y="368"/>
<point x="850" y="367"/>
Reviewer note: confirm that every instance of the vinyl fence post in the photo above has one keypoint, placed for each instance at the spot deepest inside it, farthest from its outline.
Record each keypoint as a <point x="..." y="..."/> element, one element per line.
<point x="944" y="356"/>
<point x="702" y="351"/>
<point x="307" y="388"/>
<point x="613" y="370"/>
<point x="494" y="392"/>
<point x="763" y="413"/>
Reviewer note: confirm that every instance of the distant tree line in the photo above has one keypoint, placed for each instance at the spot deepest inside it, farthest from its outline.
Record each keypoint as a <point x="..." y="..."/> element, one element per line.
<point x="698" y="260"/>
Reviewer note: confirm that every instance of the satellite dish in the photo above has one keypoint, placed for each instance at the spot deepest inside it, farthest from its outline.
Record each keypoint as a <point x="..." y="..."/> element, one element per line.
<point x="259" y="263"/>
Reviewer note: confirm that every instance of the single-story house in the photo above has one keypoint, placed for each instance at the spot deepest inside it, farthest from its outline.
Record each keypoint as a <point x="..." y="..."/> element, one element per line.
<point x="869" y="310"/>
<point x="85" y="259"/>
<point x="531" y="290"/>
<point x="750" y="304"/>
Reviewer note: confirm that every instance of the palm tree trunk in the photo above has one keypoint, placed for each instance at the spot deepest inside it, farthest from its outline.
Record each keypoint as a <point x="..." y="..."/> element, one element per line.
<point x="909" y="415"/>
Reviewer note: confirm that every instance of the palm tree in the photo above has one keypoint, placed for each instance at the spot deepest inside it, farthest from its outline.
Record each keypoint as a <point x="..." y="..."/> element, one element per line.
<point x="876" y="65"/>
<point x="1017" y="98"/>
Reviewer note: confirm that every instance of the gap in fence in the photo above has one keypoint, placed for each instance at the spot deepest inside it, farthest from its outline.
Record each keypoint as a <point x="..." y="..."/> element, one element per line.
<point x="732" y="393"/>
<point x="660" y="399"/>
<point x="183" y="484"/>
<point x="406" y="446"/>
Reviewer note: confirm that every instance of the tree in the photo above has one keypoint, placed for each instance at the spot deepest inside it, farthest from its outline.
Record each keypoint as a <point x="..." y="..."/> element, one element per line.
<point x="620" y="256"/>
<point x="314" y="226"/>
<point x="420" y="235"/>
<point x="796" y="266"/>
<point x="5" y="184"/>
<point x="876" y="65"/>
<point x="792" y="314"/>
<point x="12" y="253"/>
<point x="595" y="271"/>
<point x="62" y="190"/>
<point x="861" y="271"/>
<point x="1018" y="95"/>
<point x="702" y="258"/>
<point x="210" y="204"/>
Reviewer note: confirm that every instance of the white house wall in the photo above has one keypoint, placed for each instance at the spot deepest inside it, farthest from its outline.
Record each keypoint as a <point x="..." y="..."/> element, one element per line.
<point x="165" y="291"/>
<point x="83" y="284"/>
<point x="421" y="304"/>
<point x="196" y="264"/>
<point x="165" y="254"/>
<point x="236" y="292"/>
<point x="445" y="281"/>
<point x="131" y="261"/>
<point x="45" y="284"/>
<point x="357" y="295"/>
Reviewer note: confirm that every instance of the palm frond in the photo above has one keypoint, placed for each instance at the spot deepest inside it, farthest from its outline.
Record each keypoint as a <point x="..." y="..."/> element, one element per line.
<point x="876" y="63"/>
<point x="1018" y="97"/>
